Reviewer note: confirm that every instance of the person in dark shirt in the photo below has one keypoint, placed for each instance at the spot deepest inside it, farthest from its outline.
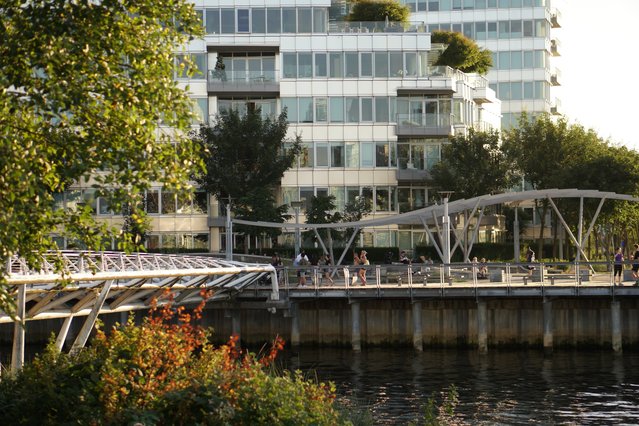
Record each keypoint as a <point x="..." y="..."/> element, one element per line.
<point x="635" y="264"/>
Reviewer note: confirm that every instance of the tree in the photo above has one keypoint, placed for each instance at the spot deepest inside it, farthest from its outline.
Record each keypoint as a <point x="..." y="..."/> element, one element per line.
<point x="462" y="53"/>
<point x="472" y="165"/>
<point x="245" y="157"/>
<point x="378" y="10"/>
<point x="83" y="85"/>
<point x="219" y="71"/>
<point x="562" y="155"/>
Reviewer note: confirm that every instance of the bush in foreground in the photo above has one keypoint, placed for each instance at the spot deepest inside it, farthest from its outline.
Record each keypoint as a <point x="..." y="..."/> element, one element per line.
<point x="163" y="372"/>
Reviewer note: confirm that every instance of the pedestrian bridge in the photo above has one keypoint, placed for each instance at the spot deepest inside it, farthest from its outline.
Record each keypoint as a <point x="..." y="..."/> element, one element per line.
<point x="74" y="284"/>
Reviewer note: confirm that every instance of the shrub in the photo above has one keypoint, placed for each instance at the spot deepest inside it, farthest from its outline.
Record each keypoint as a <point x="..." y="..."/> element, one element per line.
<point x="378" y="10"/>
<point x="163" y="372"/>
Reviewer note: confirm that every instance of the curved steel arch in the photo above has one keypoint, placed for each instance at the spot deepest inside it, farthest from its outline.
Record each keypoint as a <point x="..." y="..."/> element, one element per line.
<point x="429" y="215"/>
<point x="453" y="207"/>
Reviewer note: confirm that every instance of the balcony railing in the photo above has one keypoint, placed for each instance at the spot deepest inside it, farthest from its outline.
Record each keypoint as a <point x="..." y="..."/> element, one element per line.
<point x="376" y="27"/>
<point x="423" y="125"/>
<point x="243" y="81"/>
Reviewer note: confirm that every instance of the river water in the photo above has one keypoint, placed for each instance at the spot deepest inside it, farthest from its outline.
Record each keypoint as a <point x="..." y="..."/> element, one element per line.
<point x="501" y="387"/>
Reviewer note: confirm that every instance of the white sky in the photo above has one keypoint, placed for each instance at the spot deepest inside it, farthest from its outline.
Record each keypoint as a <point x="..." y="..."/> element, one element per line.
<point x="600" y="67"/>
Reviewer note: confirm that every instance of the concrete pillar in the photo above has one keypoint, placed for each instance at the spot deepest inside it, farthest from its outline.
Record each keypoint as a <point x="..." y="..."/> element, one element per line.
<point x="356" y="337"/>
<point x="417" y="327"/>
<point x="615" y="310"/>
<point x="235" y="322"/>
<point x="295" y="325"/>
<point x="17" y="354"/>
<point x="548" y="336"/>
<point x="482" y="332"/>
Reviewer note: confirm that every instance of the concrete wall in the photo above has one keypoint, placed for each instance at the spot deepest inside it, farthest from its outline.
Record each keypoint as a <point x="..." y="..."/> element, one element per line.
<point x="575" y="322"/>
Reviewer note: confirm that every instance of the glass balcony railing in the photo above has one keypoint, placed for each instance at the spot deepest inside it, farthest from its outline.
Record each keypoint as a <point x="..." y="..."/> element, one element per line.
<point x="242" y="77"/>
<point x="376" y="27"/>
<point x="423" y="124"/>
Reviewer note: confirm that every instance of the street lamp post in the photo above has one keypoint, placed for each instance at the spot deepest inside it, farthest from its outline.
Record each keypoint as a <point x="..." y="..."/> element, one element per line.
<point x="229" y="232"/>
<point x="445" y="195"/>
<point x="297" y="205"/>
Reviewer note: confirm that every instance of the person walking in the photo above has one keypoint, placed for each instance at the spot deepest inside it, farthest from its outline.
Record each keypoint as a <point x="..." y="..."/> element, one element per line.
<point x="363" y="260"/>
<point x="356" y="263"/>
<point x="635" y="264"/>
<point x="530" y="258"/>
<point x="301" y="260"/>
<point x="324" y="264"/>
<point x="618" y="267"/>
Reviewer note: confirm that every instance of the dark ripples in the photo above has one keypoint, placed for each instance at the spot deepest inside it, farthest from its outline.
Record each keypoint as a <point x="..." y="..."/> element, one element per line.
<point x="501" y="387"/>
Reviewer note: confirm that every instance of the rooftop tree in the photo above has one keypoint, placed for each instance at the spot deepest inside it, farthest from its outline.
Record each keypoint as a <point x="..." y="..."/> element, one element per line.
<point x="378" y="10"/>
<point x="462" y="53"/>
<point x="83" y="85"/>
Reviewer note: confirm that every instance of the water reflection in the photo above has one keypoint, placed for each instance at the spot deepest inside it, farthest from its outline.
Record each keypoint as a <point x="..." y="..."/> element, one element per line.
<point x="500" y="387"/>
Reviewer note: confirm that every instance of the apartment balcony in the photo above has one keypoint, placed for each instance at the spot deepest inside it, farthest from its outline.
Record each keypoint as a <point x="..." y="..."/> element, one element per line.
<point x="555" y="47"/>
<point x="409" y="173"/>
<point x="555" y="78"/>
<point x="243" y="82"/>
<point x="484" y="94"/>
<point x="423" y="125"/>
<point x="556" y="108"/>
<point x="555" y="19"/>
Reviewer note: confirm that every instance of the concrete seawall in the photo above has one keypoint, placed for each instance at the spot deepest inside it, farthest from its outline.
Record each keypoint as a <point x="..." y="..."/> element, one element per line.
<point x="570" y="322"/>
<point x="486" y="322"/>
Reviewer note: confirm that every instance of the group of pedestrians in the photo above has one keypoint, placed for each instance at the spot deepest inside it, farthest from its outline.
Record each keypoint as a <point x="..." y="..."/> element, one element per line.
<point x="618" y="265"/>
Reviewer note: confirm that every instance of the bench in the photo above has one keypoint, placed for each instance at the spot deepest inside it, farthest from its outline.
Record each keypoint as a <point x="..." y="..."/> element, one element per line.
<point x="398" y="272"/>
<point x="583" y="276"/>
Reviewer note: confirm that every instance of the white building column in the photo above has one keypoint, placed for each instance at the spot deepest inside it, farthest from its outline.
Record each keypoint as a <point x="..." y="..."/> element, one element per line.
<point x="482" y="327"/>
<point x="356" y="337"/>
<point x="418" y="343"/>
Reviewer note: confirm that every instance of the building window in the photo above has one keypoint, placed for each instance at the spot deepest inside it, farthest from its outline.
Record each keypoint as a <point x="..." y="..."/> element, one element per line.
<point x="320" y="65"/>
<point x="273" y="21"/>
<point x="304" y="20"/>
<point x="258" y="21"/>
<point x="228" y="21"/>
<point x="289" y="20"/>
<point x="212" y="21"/>
<point x="337" y="154"/>
<point x="321" y="110"/>
<point x="336" y="109"/>
<point x="305" y="65"/>
<point x="243" y="21"/>
<point x="366" y="63"/>
<point x="321" y="154"/>
<point x="168" y="203"/>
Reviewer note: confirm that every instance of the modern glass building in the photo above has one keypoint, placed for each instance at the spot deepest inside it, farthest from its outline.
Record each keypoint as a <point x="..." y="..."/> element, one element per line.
<point x="521" y="34"/>
<point x="371" y="109"/>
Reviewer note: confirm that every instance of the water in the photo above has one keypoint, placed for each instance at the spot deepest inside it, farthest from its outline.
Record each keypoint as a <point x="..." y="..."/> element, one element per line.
<point x="501" y="387"/>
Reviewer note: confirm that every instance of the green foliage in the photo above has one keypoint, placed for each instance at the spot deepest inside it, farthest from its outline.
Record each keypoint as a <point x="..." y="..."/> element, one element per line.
<point x="163" y="372"/>
<point x="472" y="166"/>
<point x="245" y="157"/>
<point x="557" y="154"/>
<point x="378" y="10"/>
<point x="462" y="53"/>
<point x="83" y="86"/>
<point x="441" y="411"/>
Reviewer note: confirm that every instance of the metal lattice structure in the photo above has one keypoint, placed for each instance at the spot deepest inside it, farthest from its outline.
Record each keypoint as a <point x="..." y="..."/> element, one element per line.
<point x="73" y="284"/>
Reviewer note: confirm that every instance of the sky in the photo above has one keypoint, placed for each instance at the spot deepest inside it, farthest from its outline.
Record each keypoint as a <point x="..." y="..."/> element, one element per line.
<point x="599" y="63"/>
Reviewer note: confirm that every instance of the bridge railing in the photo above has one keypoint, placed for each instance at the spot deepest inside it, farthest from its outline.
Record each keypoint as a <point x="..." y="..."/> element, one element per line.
<point x="459" y="273"/>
